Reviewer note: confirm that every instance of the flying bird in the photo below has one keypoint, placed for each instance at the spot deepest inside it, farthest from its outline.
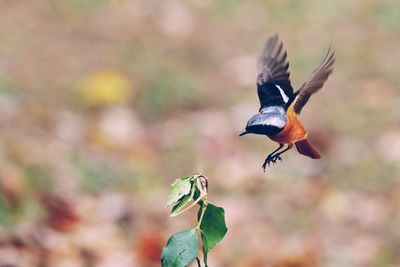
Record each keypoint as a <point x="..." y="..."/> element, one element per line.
<point x="280" y="105"/>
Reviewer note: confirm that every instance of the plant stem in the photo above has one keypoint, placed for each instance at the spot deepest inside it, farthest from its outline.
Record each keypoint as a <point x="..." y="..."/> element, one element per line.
<point x="198" y="262"/>
<point x="203" y="210"/>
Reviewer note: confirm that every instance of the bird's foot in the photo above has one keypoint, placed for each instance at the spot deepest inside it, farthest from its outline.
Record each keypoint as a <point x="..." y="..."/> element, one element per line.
<point x="271" y="159"/>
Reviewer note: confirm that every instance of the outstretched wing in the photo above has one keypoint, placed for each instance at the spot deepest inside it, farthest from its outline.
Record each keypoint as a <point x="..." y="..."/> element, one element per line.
<point x="315" y="82"/>
<point x="273" y="83"/>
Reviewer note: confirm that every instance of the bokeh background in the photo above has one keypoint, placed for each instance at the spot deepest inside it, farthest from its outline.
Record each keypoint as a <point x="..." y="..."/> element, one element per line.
<point x="104" y="103"/>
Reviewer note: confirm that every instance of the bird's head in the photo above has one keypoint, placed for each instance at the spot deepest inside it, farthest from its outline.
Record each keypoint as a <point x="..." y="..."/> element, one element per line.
<point x="269" y="121"/>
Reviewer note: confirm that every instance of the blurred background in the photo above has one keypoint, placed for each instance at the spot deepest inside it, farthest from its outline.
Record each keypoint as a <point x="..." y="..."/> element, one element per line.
<point x="104" y="103"/>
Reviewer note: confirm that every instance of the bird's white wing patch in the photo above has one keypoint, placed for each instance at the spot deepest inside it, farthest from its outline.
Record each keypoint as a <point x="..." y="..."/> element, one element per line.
<point x="284" y="96"/>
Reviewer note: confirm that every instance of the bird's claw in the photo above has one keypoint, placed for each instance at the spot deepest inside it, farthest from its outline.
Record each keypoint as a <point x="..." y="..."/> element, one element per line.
<point x="271" y="159"/>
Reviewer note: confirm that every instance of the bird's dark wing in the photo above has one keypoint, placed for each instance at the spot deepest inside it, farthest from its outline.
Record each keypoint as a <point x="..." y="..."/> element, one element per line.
<point x="273" y="70"/>
<point x="315" y="82"/>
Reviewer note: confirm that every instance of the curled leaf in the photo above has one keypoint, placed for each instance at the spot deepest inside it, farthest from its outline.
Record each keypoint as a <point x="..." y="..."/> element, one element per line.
<point x="183" y="202"/>
<point x="179" y="188"/>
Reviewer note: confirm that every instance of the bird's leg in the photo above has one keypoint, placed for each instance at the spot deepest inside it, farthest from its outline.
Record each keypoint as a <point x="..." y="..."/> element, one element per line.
<point x="270" y="157"/>
<point x="275" y="156"/>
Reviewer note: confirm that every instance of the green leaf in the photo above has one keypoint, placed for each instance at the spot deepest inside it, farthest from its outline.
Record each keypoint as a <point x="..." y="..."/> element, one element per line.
<point x="183" y="202"/>
<point x="179" y="188"/>
<point x="180" y="250"/>
<point x="213" y="228"/>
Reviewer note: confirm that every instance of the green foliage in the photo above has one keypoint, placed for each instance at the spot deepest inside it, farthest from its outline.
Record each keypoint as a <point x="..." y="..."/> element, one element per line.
<point x="37" y="178"/>
<point x="6" y="88"/>
<point x="212" y="227"/>
<point x="389" y="13"/>
<point x="98" y="175"/>
<point x="179" y="188"/>
<point x="181" y="248"/>
<point x="75" y="5"/>
<point x="96" y="178"/>
<point x="183" y="202"/>
<point x="168" y="92"/>
<point x="27" y="209"/>
<point x="6" y="213"/>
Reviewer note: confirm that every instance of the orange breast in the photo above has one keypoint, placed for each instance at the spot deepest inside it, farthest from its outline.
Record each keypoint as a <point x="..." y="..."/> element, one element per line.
<point x="293" y="131"/>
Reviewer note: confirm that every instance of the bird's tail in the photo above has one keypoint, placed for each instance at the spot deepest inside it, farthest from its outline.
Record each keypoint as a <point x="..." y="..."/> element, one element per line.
<point x="305" y="148"/>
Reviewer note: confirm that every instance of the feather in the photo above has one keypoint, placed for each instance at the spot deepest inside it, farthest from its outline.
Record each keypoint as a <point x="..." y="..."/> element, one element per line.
<point x="305" y="148"/>
<point x="273" y="71"/>
<point x="317" y="79"/>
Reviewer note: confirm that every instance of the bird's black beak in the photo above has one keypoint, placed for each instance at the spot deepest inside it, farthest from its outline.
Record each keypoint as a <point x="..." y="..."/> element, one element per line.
<point x="243" y="133"/>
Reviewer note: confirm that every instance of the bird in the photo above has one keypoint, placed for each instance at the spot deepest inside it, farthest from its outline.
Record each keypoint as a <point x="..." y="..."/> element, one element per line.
<point x="280" y="105"/>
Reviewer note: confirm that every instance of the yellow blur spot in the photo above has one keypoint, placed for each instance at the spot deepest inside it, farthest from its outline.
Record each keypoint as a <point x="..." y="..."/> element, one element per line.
<point x="335" y="204"/>
<point x="104" y="87"/>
